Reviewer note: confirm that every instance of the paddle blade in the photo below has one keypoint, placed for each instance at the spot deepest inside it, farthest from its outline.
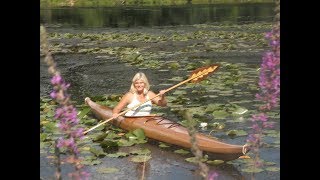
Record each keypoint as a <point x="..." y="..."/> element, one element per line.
<point x="201" y="73"/>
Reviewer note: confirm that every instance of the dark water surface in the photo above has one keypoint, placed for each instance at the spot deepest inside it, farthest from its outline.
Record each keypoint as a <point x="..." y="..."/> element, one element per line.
<point x="157" y="16"/>
<point x="93" y="74"/>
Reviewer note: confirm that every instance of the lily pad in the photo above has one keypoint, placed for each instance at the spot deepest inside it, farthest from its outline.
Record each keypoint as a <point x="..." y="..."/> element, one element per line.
<point x="118" y="154"/>
<point x="252" y="170"/>
<point x="84" y="112"/>
<point x="140" y="158"/>
<point x="140" y="151"/>
<point x="97" y="152"/>
<point x="181" y="151"/>
<point x="220" y="114"/>
<point x="124" y="142"/>
<point x="237" y="133"/>
<point x="163" y="145"/>
<point x="194" y="160"/>
<point x="107" y="170"/>
<point x="239" y="111"/>
<point x="273" y="169"/>
<point x="215" y="162"/>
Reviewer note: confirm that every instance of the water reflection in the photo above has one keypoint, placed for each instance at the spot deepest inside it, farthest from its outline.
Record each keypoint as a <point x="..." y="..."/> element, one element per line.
<point x="157" y="16"/>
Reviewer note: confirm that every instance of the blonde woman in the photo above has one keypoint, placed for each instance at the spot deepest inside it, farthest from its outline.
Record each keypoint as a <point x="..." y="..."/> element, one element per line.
<point x="139" y="92"/>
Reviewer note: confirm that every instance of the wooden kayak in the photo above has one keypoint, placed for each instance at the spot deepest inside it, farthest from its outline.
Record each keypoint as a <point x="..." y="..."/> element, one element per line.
<point x="161" y="129"/>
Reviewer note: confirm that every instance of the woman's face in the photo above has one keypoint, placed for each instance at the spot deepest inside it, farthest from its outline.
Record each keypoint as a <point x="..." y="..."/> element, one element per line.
<point x="139" y="85"/>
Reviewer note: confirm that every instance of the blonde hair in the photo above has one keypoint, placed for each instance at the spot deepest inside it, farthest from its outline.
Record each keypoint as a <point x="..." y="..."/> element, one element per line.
<point x="143" y="77"/>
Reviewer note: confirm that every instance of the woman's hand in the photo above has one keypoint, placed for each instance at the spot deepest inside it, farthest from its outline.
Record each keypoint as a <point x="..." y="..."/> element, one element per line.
<point x="115" y="115"/>
<point x="162" y="92"/>
<point x="162" y="100"/>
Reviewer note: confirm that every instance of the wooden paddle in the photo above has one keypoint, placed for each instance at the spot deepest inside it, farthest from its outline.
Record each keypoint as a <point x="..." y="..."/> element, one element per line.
<point x="196" y="76"/>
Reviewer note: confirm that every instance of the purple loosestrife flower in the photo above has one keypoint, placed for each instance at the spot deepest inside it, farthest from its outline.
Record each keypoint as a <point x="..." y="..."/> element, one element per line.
<point x="66" y="113"/>
<point x="213" y="175"/>
<point x="269" y="83"/>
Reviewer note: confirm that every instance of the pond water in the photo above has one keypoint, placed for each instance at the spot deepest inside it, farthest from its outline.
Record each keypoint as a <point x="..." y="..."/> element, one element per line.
<point x="190" y="35"/>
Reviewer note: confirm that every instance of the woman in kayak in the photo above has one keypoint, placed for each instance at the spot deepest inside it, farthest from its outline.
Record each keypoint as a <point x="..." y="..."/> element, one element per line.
<point x="139" y="93"/>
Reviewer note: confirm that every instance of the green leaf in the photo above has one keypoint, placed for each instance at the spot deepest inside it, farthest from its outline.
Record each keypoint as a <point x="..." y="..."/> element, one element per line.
<point x="215" y="162"/>
<point x="239" y="111"/>
<point x="163" y="145"/>
<point x="181" y="151"/>
<point x="273" y="169"/>
<point x="84" y="112"/>
<point x="107" y="170"/>
<point x="43" y="137"/>
<point x="89" y="122"/>
<point x="123" y="142"/>
<point x="100" y="137"/>
<point x="140" y="158"/>
<point x="140" y="151"/>
<point x="252" y="170"/>
<point x="220" y="114"/>
<point x="194" y="159"/>
<point x="97" y="152"/>
<point x="108" y="144"/>
<point x="139" y="133"/>
<point x="118" y="154"/>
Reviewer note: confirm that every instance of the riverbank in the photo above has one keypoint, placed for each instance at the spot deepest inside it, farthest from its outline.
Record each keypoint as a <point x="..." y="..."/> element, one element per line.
<point x="116" y="3"/>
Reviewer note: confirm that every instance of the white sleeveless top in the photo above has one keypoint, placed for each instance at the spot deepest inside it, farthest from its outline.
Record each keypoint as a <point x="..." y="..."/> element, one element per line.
<point x="142" y="110"/>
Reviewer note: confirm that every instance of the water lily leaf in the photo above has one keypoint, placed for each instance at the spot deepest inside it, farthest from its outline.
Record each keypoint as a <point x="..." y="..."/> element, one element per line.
<point x="220" y="114"/>
<point x="179" y="92"/>
<point x="100" y="127"/>
<point x="273" y="169"/>
<point x="97" y="152"/>
<point x="252" y="170"/>
<point x="197" y="110"/>
<point x="84" y="148"/>
<point x="107" y="170"/>
<point x="50" y="113"/>
<point x="178" y="78"/>
<point x="268" y="163"/>
<point x="99" y="137"/>
<point x="84" y="112"/>
<point x="50" y="127"/>
<point x="163" y="145"/>
<point x="118" y="154"/>
<point x="112" y="135"/>
<point x="140" y="151"/>
<point x="241" y="133"/>
<point x="239" y="111"/>
<point x="215" y="162"/>
<point x="89" y="122"/>
<point x="181" y="151"/>
<point x="136" y="137"/>
<point x="106" y="144"/>
<point x="124" y="142"/>
<point x="173" y="65"/>
<point x="139" y="133"/>
<point x="194" y="160"/>
<point x="232" y="133"/>
<point x="212" y="107"/>
<point x="140" y="158"/>
<point x="90" y="162"/>
<point x="43" y="137"/>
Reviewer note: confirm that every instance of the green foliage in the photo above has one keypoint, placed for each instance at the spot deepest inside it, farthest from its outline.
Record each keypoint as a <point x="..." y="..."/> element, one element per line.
<point x="111" y="3"/>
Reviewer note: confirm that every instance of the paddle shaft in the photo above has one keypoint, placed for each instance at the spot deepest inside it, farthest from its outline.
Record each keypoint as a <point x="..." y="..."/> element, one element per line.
<point x="123" y="112"/>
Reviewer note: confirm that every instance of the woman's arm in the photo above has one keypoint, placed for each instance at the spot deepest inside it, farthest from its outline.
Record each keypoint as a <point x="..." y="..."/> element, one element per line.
<point x="123" y="102"/>
<point x="160" y="100"/>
